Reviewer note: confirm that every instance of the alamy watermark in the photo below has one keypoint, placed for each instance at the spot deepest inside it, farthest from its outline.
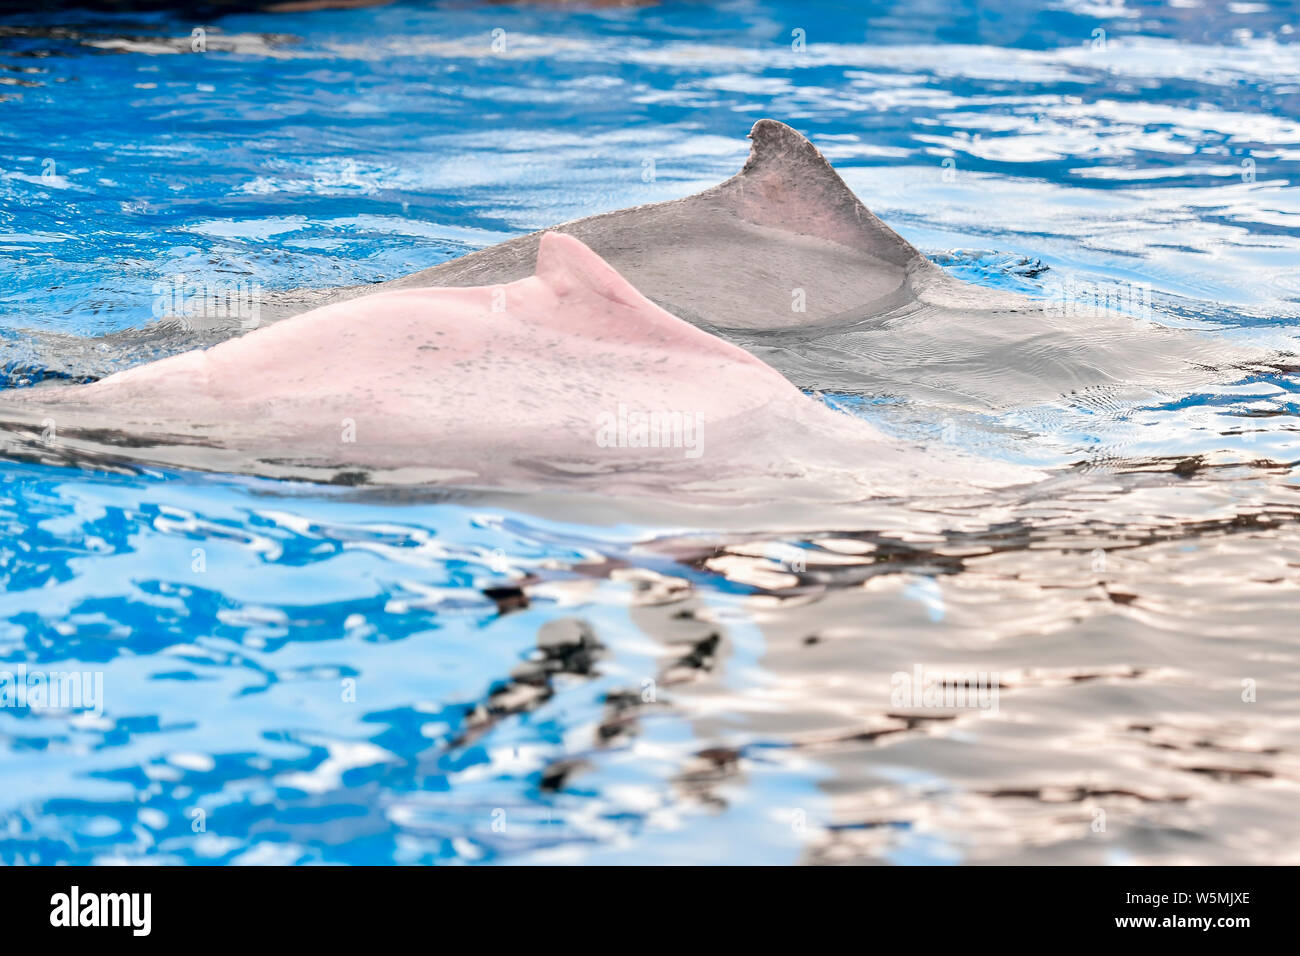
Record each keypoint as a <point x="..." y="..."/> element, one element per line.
<point x="1075" y="298"/>
<point x="203" y="306"/>
<point x="630" y="428"/>
<point x="130" y="910"/>
<point x="925" y="688"/>
<point x="80" y="691"/>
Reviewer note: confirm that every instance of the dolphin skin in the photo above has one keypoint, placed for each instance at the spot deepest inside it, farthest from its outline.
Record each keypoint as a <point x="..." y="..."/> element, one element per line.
<point x="568" y="376"/>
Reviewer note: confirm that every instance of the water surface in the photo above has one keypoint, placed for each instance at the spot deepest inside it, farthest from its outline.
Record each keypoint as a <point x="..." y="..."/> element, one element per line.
<point x="297" y="674"/>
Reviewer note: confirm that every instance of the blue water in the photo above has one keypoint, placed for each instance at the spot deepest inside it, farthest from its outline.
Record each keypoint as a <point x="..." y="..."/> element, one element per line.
<point x="298" y="675"/>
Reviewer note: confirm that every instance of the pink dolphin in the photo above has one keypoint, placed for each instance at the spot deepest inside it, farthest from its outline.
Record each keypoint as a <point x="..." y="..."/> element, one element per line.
<point x="569" y="376"/>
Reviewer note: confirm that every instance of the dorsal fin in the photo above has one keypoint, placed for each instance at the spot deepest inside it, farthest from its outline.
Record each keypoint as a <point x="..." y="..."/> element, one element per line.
<point x="788" y="184"/>
<point x="567" y="265"/>
<point x="571" y="268"/>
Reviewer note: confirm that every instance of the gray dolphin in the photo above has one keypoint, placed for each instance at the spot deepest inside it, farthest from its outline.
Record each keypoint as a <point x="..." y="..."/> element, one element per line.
<point x="782" y="244"/>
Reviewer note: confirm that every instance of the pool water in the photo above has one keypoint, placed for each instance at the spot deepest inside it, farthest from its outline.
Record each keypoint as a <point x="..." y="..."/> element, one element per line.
<point x="288" y="673"/>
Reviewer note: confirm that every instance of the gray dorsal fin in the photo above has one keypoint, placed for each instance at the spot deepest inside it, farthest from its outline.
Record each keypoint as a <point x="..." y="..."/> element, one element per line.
<point x="788" y="184"/>
<point x="700" y="258"/>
